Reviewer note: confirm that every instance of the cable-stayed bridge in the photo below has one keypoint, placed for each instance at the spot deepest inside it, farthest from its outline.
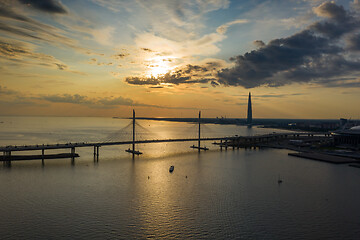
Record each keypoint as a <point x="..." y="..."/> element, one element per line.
<point x="113" y="139"/>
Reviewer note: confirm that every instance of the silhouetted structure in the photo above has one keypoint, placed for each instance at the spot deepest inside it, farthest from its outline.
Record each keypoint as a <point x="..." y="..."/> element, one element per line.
<point x="133" y="151"/>
<point x="249" y="112"/>
<point x="199" y="136"/>
<point x="348" y="137"/>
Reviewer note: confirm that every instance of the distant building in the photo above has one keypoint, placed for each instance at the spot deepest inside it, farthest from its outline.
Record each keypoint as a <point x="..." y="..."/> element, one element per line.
<point x="249" y="112"/>
<point x="348" y="137"/>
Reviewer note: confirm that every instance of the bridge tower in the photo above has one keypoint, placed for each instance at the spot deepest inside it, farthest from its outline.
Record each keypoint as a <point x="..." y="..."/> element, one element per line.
<point x="133" y="151"/>
<point x="199" y="131"/>
<point x="199" y="136"/>
<point x="133" y="132"/>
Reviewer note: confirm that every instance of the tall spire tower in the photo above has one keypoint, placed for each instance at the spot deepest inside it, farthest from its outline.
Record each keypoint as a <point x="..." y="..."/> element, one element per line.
<point x="249" y="113"/>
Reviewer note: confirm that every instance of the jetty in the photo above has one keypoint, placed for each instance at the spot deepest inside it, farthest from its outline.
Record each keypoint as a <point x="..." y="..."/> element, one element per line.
<point x="324" y="157"/>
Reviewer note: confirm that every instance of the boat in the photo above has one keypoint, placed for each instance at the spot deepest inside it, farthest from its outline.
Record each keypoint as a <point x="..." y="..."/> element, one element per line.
<point x="171" y="169"/>
<point x="280" y="180"/>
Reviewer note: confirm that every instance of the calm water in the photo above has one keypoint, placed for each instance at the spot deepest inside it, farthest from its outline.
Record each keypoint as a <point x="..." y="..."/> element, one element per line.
<point x="212" y="195"/>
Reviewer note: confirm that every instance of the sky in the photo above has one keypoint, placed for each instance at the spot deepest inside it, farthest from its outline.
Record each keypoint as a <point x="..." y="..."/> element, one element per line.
<point x="172" y="58"/>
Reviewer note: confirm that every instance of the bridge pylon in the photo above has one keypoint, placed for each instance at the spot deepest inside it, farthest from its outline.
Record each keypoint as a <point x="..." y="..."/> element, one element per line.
<point x="133" y="151"/>
<point x="198" y="147"/>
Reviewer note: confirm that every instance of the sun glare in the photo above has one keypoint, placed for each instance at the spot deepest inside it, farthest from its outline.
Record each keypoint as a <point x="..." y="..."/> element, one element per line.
<point x="158" y="66"/>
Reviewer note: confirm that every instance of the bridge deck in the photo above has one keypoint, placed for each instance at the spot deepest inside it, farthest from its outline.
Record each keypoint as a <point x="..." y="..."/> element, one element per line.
<point x="99" y="144"/>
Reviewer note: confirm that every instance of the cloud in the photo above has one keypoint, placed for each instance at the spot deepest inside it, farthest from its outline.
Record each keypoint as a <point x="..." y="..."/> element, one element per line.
<point x="6" y="91"/>
<point x="259" y="43"/>
<point x="330" y="10"/>
<point x="49" y="6"/>
<point x="117" y="101"/>
<point x="315" y="54"/>
<point x="356" y="4"/>
<point x="15" y="23"/>
<point x="95" y="62"/>
<point x="353" y="42"/>
<point x="22" y="53"/>
<point x="104" y="102"/>
<point x="276" y="95"/>
<point x="68" y="98"/>
<point x="204" y="46"/>
<point x="120" y="55"/>
<point x="175" y="20"/>
<point x="147" y="49"/>
<point x="339" y="21"/>
<point x="103" y="35"/>
<point x="188" y="74"/>
<point x="223" y="28"/>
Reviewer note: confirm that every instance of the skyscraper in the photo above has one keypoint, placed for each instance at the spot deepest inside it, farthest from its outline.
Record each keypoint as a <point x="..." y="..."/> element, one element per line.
<point x="249" y="113"/>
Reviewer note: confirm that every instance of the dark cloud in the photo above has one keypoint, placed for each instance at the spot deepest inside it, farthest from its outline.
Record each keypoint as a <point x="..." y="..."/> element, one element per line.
<point x="276" y="95"/>
<point x="214" y="84"/>
<point x="157" y="87"/>
<point x="188" y="74"/>
<point x="194" y="68"/>
<point x="331" y="10"/>
<point x="49" y="6"/>
<point x="17" y="31"/>
<point x="21" y="53"/>
<point x="314" y="54"/>
<point x="7" y="12"/>
<point x="147" y="49"/>
<point x="142" y="81"/>
<point x="67" y="98"/>
<point x="317" y="54"/>
<point x="12" y="22"/>
<point x="120" y="55"/>
<point x="353" y="42"/>
<point x="339" y="20"/>
<point x="259" y="43"/>
<point x="61" y="66"/>
<point x="6" y="91"/>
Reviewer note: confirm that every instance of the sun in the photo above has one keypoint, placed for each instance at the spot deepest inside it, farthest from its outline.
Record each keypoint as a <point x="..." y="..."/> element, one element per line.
<point x="158" y="66"/>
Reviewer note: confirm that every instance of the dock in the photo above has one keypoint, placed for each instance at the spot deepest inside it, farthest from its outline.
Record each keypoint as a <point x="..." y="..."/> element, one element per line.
<point x="324" y="157"/>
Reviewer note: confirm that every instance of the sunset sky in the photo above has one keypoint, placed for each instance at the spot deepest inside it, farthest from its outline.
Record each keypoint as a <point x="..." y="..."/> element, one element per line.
<point x="171" y="58"/>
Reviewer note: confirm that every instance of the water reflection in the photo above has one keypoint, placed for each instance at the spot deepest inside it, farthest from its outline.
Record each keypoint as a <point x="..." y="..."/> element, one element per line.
<point x="228" y="194"/>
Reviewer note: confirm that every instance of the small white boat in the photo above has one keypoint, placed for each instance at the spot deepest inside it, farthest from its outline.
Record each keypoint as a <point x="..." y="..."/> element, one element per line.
<point x="171" y="169"/>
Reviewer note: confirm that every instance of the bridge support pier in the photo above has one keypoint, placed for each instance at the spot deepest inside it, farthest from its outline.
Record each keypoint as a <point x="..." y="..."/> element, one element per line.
<point x="42" y="156"/>
<point x="96" y="153"/>
<point x="72" y="155"/>
<point x="226" y="144"/>
<point x="7" y="158"/>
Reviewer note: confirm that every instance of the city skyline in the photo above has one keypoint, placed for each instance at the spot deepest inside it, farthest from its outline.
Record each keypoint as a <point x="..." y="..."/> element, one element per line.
<point x="299" y="59"/>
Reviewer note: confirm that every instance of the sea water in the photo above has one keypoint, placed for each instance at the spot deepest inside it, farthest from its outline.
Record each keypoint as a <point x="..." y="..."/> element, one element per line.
<point x="231" y="194"/>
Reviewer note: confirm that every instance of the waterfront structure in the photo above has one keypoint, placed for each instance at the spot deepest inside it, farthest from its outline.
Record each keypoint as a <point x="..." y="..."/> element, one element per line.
<point x="249" y="112"/>
<point x="349" y="137"/>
